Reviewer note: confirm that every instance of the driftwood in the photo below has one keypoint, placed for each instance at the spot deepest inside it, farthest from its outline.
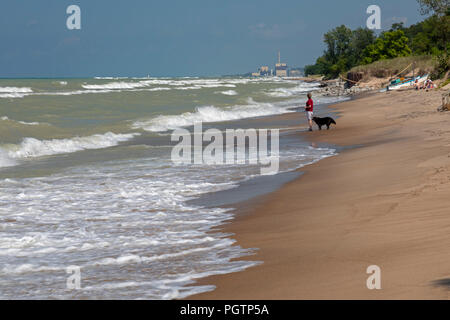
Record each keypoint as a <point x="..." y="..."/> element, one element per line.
<point x="445" y="102"/>
<point x="353" y="78"/>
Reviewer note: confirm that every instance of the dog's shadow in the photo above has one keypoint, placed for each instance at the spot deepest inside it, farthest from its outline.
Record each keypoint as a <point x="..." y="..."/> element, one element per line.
<point x="442" y="283"/>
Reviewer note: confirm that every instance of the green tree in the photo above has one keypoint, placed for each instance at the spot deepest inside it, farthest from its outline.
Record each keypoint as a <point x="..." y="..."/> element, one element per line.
<point x="428" y="38"/>
<point x="344" y="50"/>
<point x="361" y="39"/>
<point x="398" y="26"/>
<point x="336" y="56"/>
<point x="391" y="44"/>
<point x="338" y="43"/>
<point x="441" y="8"/>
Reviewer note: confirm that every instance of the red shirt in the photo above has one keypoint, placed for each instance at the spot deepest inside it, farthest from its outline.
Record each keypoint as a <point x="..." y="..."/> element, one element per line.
<point x="309" y="105"/>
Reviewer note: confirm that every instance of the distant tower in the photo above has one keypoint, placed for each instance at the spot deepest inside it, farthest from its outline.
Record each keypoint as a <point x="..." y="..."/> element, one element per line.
<point x="280" y="68"/>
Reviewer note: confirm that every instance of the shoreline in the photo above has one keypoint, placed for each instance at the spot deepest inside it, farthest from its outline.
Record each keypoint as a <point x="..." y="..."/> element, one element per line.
<point x="317" y="234"/>
<point x="293" y="125"/>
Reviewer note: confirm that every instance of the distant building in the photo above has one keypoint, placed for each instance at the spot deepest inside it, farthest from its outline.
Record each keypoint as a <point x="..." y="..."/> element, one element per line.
<point x="264" y="71"/>
<point x="281" y="69"/>
<point x="295" y="73"/>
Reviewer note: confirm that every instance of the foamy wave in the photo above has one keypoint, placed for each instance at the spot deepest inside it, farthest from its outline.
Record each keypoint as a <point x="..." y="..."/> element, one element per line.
<point x="55" y="93"/>
<point x="115" y="86"/>
<point x="192" y="84"/>
<point x="189" y="88"/>
<point x="4" y="118"/>
<point x="159" y="89"/>
<point x="289" y="92"/>
<point x="331" y="99"/>
<point x="110" y="78"/>
<point x="70" y="93"/>
<point x="218" y="85"/>
<point x="76" y="92"/>
<point x="15" y="90"/>
<point x="119" y="84"/>
<point x="31" y="147"/>
<point x="28" y="268"/>
<point x="5" y="160"/>
<point x="229" y="93"/>
<point x="12" y="95"/>
<point x="209" y="114"/>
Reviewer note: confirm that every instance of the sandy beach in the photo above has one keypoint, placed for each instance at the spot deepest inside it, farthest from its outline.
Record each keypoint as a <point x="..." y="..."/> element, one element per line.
<point x="383" y="202"/>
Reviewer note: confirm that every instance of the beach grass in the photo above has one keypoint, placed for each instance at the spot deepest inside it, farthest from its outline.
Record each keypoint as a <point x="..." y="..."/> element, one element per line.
<point x="444" y="83"/>
<point x="390" y="67"/>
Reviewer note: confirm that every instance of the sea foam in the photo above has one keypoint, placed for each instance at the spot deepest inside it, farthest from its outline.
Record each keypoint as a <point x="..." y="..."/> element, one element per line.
<point x="5" y="160"/>
<point x="15" y="90"/>
<point x="209" y="114"/>
<point x="289" y="92"/>
<point x="31" y="147"/>
<point x="229" y="93"/>
<point x="5" y="118"/>
<point x="115" y="86"/>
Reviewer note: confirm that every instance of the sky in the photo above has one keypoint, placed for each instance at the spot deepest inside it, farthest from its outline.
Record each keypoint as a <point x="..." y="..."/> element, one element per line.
<point x="175" y="37"/>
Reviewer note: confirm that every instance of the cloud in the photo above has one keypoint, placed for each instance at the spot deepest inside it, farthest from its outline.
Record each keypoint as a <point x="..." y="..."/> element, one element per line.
<point x="32" y="23"/>
<point x="267" y="32"/>
<point x="275" y="31"/>
<point x="70" y="41"/>
<point x="390" y="21"/>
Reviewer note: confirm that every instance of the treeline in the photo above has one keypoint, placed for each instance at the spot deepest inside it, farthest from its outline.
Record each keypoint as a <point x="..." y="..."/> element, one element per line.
<point x="346" y="48"/>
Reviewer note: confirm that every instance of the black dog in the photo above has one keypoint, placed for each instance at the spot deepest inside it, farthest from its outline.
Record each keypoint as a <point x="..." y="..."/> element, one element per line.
<point x="324" y="122"/>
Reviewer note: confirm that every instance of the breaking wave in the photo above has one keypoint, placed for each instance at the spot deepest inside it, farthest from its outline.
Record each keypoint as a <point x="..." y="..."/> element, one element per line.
<point x="14" y="92"/>
<point x="289" y="92"/>
<point x="209" y="114"/>
<point x="31" y="147"/>
<point x="5" y="118"/>
<point x="115" y="86"/>
<point x="229" y="93"/>
<point x="6" y="161"/>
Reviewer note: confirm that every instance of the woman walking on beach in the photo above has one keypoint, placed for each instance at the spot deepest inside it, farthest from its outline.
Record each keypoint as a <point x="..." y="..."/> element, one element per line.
<point x="309" y="110"/>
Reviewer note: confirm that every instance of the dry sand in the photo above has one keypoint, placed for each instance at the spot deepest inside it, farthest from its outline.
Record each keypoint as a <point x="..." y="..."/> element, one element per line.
<point x="385" y="203"/>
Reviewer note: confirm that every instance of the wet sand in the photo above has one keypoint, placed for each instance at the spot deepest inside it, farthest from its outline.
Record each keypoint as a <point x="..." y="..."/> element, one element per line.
<point x="385" y="202"/>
